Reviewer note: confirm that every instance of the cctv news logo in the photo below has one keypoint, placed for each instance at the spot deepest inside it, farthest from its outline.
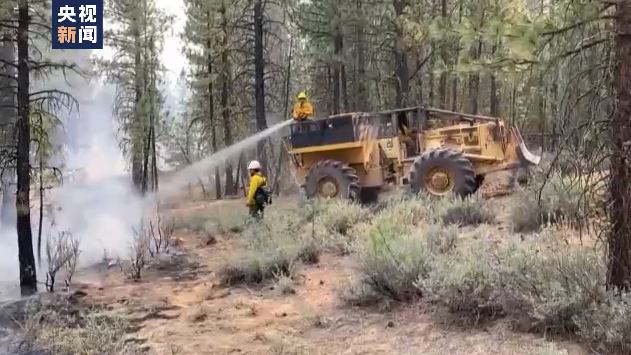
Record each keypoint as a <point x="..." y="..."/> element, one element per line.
<point x="77" y="24"/>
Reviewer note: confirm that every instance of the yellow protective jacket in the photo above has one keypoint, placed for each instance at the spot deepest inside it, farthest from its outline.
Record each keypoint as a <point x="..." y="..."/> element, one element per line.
<point x="302" y="110"/>
<point x="256" y="180"/>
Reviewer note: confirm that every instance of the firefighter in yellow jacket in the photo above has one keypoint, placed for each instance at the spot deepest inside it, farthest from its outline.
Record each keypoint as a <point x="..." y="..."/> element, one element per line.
<point x="302" y="109"/>
<point x="258" y="196"/>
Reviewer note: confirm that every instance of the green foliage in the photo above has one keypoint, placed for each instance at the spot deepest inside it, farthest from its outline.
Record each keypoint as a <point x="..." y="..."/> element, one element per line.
<point x="136" y="70"/>
<point x="468" y="211"/>
<point x="560" y="201"/>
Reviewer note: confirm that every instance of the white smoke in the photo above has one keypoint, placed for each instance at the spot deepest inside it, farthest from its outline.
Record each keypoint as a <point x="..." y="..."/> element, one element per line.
<point x="97" y="204"/>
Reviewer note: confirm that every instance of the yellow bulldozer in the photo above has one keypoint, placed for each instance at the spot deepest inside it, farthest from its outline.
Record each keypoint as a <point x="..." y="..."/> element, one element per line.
<point x="356" y="155"/>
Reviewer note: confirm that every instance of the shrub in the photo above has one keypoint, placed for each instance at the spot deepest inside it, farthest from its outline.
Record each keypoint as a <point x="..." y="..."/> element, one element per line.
<point x="440" y="239"/>
<point x="62" y="253"/>
<point x="465" y="281"/>
<point x="406" y="212"/>
<point x="388" y="200"/>
<point x="256" y="266"/>
<point x="161" y="236"/>
<point x="194" y="222"/>
<point x="61" y="328"/>
<point x="214" y="221"/>
<point x="139" y="253"/>
<point x="551" y="349"/>
<point x="338" y="215"/>
<point x="391" y="260"/>
<point x="274" y="245"/>
<point x="469" y="211"/>
<point x="544" y="284"/>
<point x="606" y="324"/>
<point x="560" y="201"/>
<point x="550" y="283"/>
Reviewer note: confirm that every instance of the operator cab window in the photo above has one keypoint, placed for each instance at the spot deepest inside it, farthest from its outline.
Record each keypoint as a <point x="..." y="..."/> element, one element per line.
<point x="386" y="130"/>
<point x="304" y="127"/>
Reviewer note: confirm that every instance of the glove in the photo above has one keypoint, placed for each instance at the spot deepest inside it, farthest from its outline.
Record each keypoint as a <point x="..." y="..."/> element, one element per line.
<point x="269" y="200"/>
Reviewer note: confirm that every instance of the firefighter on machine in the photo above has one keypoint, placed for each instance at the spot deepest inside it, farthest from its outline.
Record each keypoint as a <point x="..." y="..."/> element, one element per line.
<point x="302" y="108"/>
<point x="258" y="196"/>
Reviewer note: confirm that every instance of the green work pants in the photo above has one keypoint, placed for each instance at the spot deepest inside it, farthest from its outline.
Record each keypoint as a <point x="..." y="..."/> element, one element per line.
<point x="256" y="210"/>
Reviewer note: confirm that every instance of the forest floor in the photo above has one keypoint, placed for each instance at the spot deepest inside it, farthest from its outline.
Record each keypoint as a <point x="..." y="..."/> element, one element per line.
<point x="182" y="304"/>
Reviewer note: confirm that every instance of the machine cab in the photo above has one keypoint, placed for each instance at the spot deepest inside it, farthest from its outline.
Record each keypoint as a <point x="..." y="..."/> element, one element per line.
<point x="323" y="131"/>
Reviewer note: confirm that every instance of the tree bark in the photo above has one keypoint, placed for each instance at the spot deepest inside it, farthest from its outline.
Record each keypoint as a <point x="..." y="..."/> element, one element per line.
<point x="211" y="104"/>
<point x="401" y="60"/>
<point x="452" y="65"/>
<point x="337" y="54"/>
<point x="259" y="81"/>
<point x="361" y="97"/>
<point x="495" y="96"/>
<point x="442" y="85"/>
<point x="344" y="83"/>
<point x="7" y="131"/>
<point x="28" y="276"/>
<point x="619" y="239"/>
<point x="474" y="81"/>
<point x="225" y="93"/>
<point x="137" y="147"/>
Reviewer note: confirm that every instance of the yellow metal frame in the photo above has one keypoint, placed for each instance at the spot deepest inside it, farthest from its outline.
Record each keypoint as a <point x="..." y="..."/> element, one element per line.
<point x="488" y="143"/>
<point x="324" y="148"/>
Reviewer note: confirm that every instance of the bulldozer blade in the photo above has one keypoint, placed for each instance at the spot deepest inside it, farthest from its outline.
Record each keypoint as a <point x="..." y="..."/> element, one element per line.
<point x="525" y="156"/>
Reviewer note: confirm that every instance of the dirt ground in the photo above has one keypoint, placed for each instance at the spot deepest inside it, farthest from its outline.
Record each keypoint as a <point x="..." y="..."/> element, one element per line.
<point x="185" y="311"/>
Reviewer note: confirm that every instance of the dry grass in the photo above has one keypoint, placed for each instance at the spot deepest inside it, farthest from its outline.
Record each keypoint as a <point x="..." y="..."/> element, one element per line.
<point x="64" y="328"/>
<point x="439" y="251"/>
<point x="422" y="263"/>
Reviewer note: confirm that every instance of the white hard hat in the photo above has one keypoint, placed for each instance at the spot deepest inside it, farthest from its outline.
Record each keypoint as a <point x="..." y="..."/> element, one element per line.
<point x="254" y="165"/>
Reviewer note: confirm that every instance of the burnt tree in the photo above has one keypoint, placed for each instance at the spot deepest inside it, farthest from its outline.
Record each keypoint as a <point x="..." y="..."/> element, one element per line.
<point x="28" y="275"/>
<point x="619" y="239"/>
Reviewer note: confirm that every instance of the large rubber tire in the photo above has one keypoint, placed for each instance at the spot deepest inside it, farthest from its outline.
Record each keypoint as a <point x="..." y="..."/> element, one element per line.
<point x="459" y="168"/>
<point x="344" y="176"/>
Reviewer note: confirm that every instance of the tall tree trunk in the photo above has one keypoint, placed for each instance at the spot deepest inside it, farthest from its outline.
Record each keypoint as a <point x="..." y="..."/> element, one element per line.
<point x="542" y="98"/>
<point x="153" y="117"/>
<point x="28" y="276"/>
<point x="401" y="60"/>
<point x="282" y="156"/>
<point x="211" y="104"/>
<point x="225" y="95"/>
<point x="331" y="98"/>
<point x="146" y="139"/>
<point x="137" y="147"/>
<point x="419" y="79"/>
<point x="337" y="54"/>
<point x="344" y="83"/>
<point x="145" y="121"/>
<point x="259" y="80"/>
<point x="7" y="131"/>
<point x="361" y="97"/>
<point x="474" y="81"/>
<point x="541" y="105"/>
<point x="152" y="138"/>
<point x="442" y="85"/>
<point x="154" y="160"/>
<point x="41" y="194"/>
<point x="619" y="239"/>
<point x="452" y="64"/>
<point x="495" y="98"/>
